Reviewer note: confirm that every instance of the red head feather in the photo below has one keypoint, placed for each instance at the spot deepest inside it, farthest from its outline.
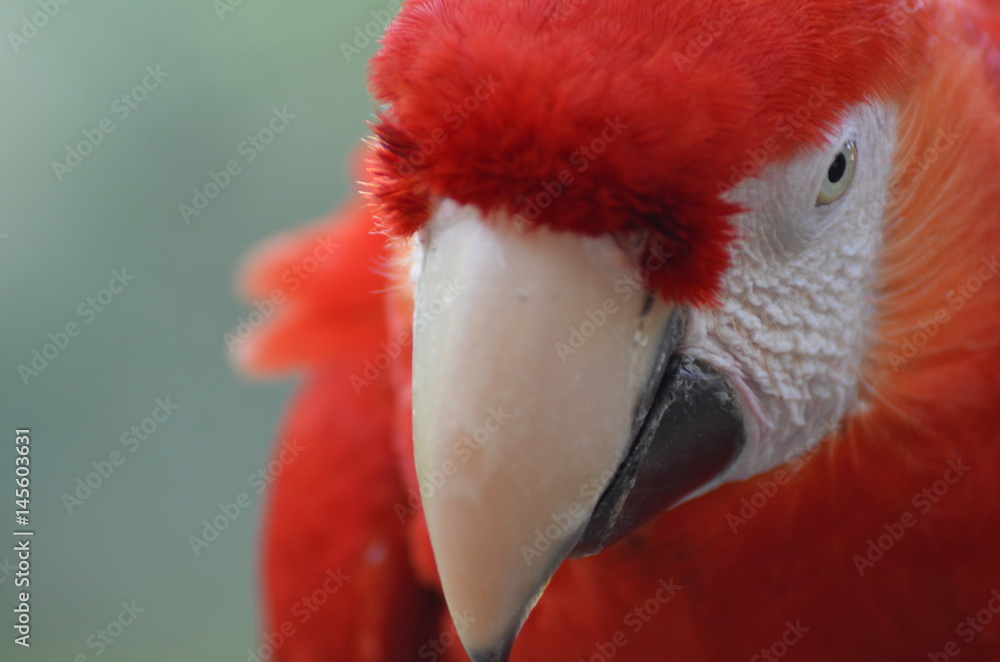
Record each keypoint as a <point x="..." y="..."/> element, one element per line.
<point x="620" y="116"/>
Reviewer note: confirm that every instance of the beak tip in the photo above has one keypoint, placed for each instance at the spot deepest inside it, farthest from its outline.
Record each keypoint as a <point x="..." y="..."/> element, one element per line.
<point x="497" y="650"/>
<point x="499" y="654"/>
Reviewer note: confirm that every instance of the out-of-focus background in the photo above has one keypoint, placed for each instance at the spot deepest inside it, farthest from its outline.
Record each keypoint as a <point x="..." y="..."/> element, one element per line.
<point x="113" y="114"/>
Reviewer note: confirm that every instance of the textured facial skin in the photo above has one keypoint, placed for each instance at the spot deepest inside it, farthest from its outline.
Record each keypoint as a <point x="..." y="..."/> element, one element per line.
<point x="796" y="317"/>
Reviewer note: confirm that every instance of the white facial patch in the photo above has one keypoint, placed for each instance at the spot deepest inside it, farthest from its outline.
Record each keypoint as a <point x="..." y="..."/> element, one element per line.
<point x="797" y="311"/>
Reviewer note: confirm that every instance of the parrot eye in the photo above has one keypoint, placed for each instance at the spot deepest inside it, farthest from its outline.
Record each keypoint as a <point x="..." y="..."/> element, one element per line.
<point x="839" y="175"/>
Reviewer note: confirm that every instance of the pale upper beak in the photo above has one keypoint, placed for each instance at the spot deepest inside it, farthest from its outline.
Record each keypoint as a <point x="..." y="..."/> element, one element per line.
<point x="537" y="359"/>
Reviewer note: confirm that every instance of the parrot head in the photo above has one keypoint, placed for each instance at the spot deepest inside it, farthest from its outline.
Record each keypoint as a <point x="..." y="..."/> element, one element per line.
<point x="644" y="239"/>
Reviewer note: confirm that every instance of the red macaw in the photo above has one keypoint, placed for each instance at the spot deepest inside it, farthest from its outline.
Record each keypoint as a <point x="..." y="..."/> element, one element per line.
<point x="670" y="331"/>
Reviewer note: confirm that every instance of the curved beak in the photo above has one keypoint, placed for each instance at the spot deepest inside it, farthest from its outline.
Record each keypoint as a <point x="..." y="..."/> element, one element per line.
<point x="544" y="380"/>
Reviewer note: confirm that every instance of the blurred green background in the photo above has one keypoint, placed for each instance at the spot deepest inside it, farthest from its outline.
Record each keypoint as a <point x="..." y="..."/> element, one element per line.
<point x="224" y="65"/>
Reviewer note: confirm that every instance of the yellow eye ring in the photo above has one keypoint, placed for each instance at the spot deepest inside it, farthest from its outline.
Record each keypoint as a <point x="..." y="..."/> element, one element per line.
<point x="839" y="175"/>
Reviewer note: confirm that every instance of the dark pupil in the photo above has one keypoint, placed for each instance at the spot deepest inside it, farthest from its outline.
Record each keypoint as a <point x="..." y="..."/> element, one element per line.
<point x="837" y="168"/>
